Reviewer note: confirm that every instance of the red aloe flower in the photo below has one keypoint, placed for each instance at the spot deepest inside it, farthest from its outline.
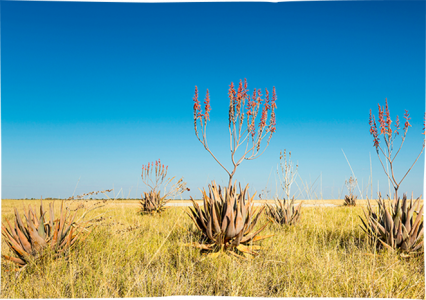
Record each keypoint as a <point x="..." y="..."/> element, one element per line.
<point x="272" y="122"/>
<point x="197" y="106"/>
<point x="273" y="106"/>
<point x="381" y="120"/>
<point x="248" y="107"/>
<point x="259" y="95"/>
<point x="388" y="120"/>
<point x="231" y="91"/>
<point x="373" y="130"/>
<point x="407" y="118"/>
<point x="274" y="98"/>
<point x="244" y="95"/>
<point x="424" y="123"/>
<point x="239" y="97"/>
<point x="240" y="90"/>
<point x="231" y="94"/>
<point x="376" y="137"/>
<point x="251" y="114"/>
<point x="397" y="125"/>
<point x="263" y="118"/>
<point x="370" y="122"/>
<point x="207" y="106"/>
<point x="267" y="99"/>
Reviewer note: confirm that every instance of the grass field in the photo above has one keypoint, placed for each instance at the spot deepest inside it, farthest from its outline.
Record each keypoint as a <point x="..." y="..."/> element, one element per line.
<point x="129" y="255"/>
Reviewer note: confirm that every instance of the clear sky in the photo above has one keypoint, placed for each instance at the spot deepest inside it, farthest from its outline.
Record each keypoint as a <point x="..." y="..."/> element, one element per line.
<point x="96" y="90"/>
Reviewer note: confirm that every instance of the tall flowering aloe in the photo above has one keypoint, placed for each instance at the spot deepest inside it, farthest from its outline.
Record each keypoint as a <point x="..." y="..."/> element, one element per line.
<point x="154" y="175"/>
<point x="243" y="111"/>
<point x="389" y="136"/>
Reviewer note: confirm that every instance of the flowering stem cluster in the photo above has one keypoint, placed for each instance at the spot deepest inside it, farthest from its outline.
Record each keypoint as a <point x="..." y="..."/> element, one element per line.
<point x="389" y="136"/>
<point x="243" y="111"/>
<point x="350" y="185"/>
<point x="154" y="175"/>
<point x="287" y="171"/>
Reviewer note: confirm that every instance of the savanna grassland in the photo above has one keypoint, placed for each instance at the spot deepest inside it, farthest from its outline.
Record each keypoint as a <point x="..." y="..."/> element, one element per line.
<point x="128" y="255"/>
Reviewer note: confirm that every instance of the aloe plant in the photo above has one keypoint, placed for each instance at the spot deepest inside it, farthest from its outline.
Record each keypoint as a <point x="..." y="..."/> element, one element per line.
<point x="350" y="200"/>
<point x="31" y="240"/>
<point x="284" y="212"/>
<point x="227" y="221"/>
<point x="396" y="226"/>
<point x="153" y="203"/>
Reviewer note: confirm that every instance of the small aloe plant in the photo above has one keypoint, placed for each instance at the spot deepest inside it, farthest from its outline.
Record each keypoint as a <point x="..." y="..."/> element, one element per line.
<point x="29" y="241"/>
<point x="350" y="200"/>
<point x="284" y="212"/>
<point x="152" y="203"/>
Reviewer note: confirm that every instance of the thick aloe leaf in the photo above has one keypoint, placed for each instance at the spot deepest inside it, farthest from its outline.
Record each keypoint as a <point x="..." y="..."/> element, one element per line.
<point x="41" y="231"/>
<point x="245" y="249"/>
<point x="26" y="245"/>
<point x="16" y="260"/>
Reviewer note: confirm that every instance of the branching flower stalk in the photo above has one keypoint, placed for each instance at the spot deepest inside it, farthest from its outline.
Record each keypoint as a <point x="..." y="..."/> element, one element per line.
<point x="155" y="177"/>
<point x="389" y="136"/>
<point x="350" y="200"/>
<point x="242" y="108"/>
<point x="287" y="171"/>
<point x="350" y="185"/>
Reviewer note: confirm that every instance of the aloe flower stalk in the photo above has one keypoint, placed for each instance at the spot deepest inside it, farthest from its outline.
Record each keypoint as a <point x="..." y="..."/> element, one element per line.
<point x="241" y="107"/>
<point x="389" y="136"/>
<point x="154" y="175"/>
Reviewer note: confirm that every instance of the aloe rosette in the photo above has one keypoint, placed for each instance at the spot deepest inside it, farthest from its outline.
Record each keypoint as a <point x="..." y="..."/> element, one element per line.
<point x="227" y="221"/>
<point x="39" y="235"/>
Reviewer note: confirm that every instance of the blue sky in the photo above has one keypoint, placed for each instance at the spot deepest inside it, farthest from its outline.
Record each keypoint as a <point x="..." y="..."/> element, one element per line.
<point x="96" y="90"/>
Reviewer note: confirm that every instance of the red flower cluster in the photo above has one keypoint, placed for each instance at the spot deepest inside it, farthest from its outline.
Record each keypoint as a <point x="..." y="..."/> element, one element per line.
<point x="397" y="125"/>
<point x="424" y="123"/>
<point x="157" y="168"/>
<point x="251" y="113"/>
<point x="197" y="106"/>
<point x="373" y="129"/>
<point x="388" y="120"/>
<point x="232" y="101"/>
<point x="407" y="118"/>
<point x="265" y="109"/>
<point x="207" y="108"/>
<point x="381" y="120"/>
<point x="273" y="106"/>
<point x="238" y="110"/>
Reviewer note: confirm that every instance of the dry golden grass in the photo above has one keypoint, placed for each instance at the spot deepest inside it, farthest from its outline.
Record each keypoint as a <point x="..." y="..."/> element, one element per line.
<point x="129" y="255"/>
